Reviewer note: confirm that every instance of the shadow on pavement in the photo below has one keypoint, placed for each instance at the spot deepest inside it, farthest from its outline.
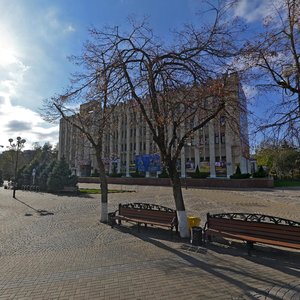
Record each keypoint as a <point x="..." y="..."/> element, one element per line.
<point x="151" y="233"/>
<point x="41" y="212"/>
<point x="226" y="269"/>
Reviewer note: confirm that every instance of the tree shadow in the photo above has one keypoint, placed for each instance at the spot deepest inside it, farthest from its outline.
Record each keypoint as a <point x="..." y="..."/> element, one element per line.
<point x="282" y="259"/>
<point x="228" y="273"/>
<point x="41" y="212"/>
<point x="151" y="232"/>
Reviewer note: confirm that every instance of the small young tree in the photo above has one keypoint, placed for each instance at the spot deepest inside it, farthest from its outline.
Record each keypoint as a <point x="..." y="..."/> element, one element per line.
<point x="1" y="178"/>
<point x="59" y="177"/>
<point x="43" y="175"/>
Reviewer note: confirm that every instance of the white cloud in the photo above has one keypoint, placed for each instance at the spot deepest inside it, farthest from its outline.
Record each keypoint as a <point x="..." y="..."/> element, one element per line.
<point x="16" y="120"/>
<point x="32" y="68"/>
<point x="53" y="25"/>
<point x="250" y="91"/>
<point x="21" y="121"/>
<point x="256" y="9"/>
<point x="69" y="28"/>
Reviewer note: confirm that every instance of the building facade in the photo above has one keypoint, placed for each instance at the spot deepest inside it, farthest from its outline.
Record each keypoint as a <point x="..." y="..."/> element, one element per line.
<point x="216" y="148"/>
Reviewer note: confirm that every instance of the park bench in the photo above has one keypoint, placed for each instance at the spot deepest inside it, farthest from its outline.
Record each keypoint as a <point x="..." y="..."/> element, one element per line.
<point x="28" y="187"/>
<point x="70" y="189"/>
<point x="145" y="213"/>
<point x="254" y="228"/>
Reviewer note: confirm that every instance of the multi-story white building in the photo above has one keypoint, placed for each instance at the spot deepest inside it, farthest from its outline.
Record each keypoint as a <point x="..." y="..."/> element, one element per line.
<point x="217" y="148"/>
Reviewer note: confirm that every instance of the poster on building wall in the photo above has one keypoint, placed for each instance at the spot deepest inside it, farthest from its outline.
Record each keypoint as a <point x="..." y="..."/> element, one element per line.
<point x="148" y="163"/>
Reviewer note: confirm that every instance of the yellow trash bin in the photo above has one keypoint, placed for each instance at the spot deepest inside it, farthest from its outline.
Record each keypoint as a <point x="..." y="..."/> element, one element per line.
<point x="193" y="222"/>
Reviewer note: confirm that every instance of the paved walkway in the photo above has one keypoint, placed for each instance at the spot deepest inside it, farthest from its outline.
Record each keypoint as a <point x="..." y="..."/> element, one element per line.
<point x="70" y="255"/>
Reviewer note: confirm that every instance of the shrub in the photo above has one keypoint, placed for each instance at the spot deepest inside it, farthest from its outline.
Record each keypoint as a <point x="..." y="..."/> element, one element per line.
<point x="260" y="173"/>
<point x="164" y="173"/>
<point x="115" y="175"/>
<point x="95" y="174"/>
<point x="198" y="174"/>
<point x="238" y="174"/>
<point x="238" y="170"/>
<point x="1" y="178"/>
<point x="137" y="174"/>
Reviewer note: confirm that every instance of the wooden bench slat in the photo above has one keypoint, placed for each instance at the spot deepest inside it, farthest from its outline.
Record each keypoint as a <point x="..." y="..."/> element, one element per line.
<point x="144" y="219"/>
<point x="278" y="236"/>
<point x="255" y="224"/>
<point x="254" y="239"/>
<point x="144" y="213"/>
<point x="147" y="214"/>
<point x="141" y="221"/>
<point x="255" y="228"/>
<point x="273" y="232"/>
<point x="148" y="217"/>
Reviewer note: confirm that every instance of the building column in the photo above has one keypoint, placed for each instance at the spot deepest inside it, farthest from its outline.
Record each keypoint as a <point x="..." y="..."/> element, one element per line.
<point x="228" y="149"/>
<point x="119" y="142"/>
<point x="128" y="126"/>
<point x="212" y="152"/>
<point x="137" y="135"/>
<point x="197" y="146"/>
<point x="244" y="165"/>
<point x="182" y="154"/>
<point x="110" y="156"/>
<point x="147" y="145"/>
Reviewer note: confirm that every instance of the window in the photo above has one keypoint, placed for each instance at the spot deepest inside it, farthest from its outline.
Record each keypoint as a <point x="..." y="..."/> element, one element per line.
<point x="216" y="139"/>
<point x="222" y="138"/>
<point x="222" y="120"/>
<point x="206" y="140"/>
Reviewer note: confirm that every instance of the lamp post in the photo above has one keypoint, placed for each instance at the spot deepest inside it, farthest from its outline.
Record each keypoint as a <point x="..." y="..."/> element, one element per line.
<point x="17" y="146"/>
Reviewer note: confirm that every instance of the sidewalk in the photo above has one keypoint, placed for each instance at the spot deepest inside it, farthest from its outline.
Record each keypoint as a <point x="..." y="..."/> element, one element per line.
<point x="70" y="255"/>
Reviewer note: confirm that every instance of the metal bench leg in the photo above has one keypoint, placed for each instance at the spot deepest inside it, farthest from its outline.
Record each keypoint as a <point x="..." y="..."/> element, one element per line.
<point x="250" y="247"/>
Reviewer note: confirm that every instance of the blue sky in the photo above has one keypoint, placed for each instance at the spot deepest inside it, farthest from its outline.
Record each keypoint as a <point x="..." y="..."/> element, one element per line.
<point x="36" y="36"/>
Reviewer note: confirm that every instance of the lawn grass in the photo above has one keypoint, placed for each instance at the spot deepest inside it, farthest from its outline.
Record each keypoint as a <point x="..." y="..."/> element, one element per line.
<point x="287" y="183"/>
<point x="98" y="191"/>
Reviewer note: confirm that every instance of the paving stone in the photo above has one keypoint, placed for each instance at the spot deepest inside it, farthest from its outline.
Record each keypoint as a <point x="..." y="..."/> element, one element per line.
<point x="70" y="255"/>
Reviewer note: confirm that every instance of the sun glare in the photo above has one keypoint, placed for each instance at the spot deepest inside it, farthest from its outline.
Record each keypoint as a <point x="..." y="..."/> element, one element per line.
<point x="8" y="53"/>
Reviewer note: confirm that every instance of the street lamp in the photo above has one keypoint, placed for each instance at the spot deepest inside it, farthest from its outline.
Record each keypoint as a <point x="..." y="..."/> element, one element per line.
<point x="17" y="146"/>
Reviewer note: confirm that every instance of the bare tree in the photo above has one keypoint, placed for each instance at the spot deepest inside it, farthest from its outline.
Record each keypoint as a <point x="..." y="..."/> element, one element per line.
<point x="276" y="57"/>
<point x="94" y="87"/>
<point x="177" y="88"/>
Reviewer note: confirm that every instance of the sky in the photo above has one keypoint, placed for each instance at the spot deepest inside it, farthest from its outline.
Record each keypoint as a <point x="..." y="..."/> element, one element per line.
<point x="37" y="36"/>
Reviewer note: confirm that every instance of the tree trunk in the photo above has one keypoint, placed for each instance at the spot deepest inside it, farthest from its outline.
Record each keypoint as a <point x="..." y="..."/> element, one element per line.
<point x="104" y="191"/>
<point x="179" y="203"/>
